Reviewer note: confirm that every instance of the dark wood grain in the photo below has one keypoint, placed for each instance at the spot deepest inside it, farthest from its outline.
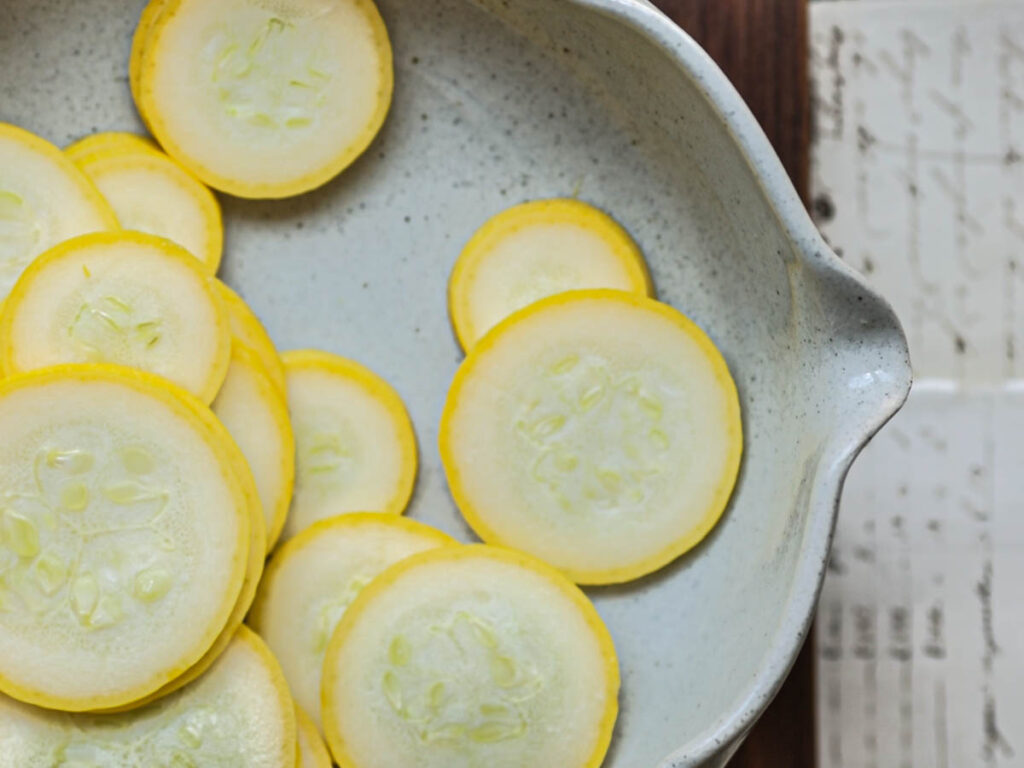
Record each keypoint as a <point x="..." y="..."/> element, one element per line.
<point x="762" y="47"/>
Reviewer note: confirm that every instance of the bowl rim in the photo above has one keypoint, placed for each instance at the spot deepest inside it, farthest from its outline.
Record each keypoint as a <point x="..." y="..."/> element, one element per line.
<point x="727" y="731"/>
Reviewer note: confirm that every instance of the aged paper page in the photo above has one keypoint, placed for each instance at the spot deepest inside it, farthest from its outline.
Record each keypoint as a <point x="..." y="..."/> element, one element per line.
<point x="918" y="182"/>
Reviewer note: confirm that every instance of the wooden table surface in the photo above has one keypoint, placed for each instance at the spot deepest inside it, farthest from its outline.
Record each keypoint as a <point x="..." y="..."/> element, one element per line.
<point x="762" y="47"/>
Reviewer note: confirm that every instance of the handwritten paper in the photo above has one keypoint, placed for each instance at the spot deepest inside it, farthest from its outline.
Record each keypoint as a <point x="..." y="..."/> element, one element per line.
<point x="918" y="181"/>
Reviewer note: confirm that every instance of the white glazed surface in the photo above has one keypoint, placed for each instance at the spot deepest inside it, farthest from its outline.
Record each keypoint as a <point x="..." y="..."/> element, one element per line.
<point x="501" y="101"/>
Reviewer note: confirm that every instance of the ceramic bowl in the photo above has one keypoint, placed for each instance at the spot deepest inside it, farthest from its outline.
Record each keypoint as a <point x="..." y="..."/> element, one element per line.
<point x="498" y="101"/>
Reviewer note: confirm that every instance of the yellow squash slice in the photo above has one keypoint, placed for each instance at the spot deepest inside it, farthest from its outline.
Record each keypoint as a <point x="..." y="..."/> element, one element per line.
<point x="151" y="193"/>
<point x="355" y="448"/>
<point x="253" y="574"/>
<point x="124" y="298"/>
<point x="470" y="656"/>
<point x="44" y="200"/>
<point x="256" y="414"/>
<point x="124" y="534"/>
<point x="239" y="714"/>
<point x="536" y="250"/>
<point x="314" y="577"/>
<point x="312" y="751"/>
<point x="597" y="430"/>
<point x="265" y="99"/>
<point x="147" y="20"/>
<point x="248" y="331"/>
<point x="97" y="143"/>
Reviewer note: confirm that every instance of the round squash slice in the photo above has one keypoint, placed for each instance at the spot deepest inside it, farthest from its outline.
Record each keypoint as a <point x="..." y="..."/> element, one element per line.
<point x="266" y="99"/>
<point x="124" y="298"/>
<point x="124" y="534"/>
<point x="238" y="714"/>
<point x="468" y="656"/>
<point x="147" y="20"/>
<point x="313" y="579"/>
<point x="536" y="250"/>
<point x="597" y="430"/>
<point x="247" y="330"/>
<point x="97" y="143"/>
<point x="151" y="193"/>
<point x="355" y="448"/>
<point x="253" y="574"/>
<point x="256" y="415"/>
<point x="44" y="199"/>
<point x="312" y="752"/>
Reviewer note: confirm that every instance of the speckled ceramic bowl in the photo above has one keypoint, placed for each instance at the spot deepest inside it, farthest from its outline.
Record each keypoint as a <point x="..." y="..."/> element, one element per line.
<point x="498" y="101"/>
